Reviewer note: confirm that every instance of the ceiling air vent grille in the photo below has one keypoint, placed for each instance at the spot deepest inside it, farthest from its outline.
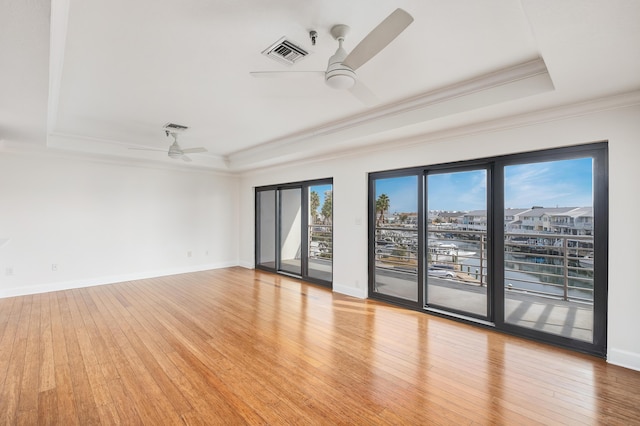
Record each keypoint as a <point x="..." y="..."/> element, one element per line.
<point x="176" y="128"/>
<point x="285" y="51"/>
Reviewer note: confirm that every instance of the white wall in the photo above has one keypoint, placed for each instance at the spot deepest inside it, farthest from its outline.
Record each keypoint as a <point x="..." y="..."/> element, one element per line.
<point x="100" y="222"/>
<point x="621" y="127"/>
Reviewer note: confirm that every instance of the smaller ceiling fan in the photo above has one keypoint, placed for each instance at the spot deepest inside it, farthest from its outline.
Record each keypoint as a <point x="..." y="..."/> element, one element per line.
<point x="175" y="151"/>
<point x="340" y="73"/>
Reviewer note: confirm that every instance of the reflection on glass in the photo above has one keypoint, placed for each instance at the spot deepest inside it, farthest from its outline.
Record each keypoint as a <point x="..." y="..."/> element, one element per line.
<point x="267" y="228"/>
<point x="396" y="237"/>
<point x="456" y="242"/>
<point x="320" y="232"/>
<point x="548" y="247"/>
<point x="290" y="230"/>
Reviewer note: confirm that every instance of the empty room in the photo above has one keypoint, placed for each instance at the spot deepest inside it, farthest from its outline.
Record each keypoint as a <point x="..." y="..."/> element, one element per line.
<point x="321" y="212"/>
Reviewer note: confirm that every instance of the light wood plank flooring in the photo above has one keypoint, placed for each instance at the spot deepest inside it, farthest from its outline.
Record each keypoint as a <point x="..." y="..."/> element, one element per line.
<point x="236" y="346"/>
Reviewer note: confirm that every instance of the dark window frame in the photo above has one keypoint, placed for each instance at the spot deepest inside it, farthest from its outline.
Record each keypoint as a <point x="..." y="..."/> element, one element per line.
<point x="598" y="151"/>
<point x="303" y="186"/>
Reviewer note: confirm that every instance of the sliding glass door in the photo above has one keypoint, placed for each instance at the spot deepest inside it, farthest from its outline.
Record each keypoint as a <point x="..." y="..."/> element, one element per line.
<point x="457" y="256"/>
<point x="290" y="230"/>
<point x="294" y="230"/>
<point x="517" y="242"/>
<point x="396" y="242"/>
<point x="320" y="231"/>
<point x="549" y="250"/>
<point x="266" y="227"/>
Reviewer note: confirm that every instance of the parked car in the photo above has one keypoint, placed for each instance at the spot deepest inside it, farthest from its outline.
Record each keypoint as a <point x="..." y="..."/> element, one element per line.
<point x="444" y="273"/>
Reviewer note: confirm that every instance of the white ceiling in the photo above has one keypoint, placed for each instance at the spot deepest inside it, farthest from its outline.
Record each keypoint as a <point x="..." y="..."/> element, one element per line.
<point x="101" y="76"/>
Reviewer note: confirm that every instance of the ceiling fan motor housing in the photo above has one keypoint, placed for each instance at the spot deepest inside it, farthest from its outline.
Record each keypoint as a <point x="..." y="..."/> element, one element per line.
<point x="175" y="151"/>
<point x="338" y="75"/>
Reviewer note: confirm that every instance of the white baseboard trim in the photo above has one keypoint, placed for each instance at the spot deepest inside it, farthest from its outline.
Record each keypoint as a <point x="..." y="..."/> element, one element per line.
<point x="113" y="279"/>
<point x="624" y="358"/>
<point x="248" y="265"/>
<point x="360" y="293"/>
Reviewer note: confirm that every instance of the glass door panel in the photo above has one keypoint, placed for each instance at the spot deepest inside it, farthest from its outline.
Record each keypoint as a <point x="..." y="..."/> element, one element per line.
<point x="396" y="237"/>
<point x="456" y="248"/>
<point x="549" y="247"/>
<point x="291" y="231"/>
<point x="294" y="229"/>
<point x="266" y="247"/>
<point x="320" y="232"/>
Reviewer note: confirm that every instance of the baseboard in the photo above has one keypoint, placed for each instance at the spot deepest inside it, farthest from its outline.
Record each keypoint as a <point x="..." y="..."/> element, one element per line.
<point x="360" y="293"/>
<point x="247" y="265"/>
<point x="113" y="279"/>
<point x="624" y="358"/>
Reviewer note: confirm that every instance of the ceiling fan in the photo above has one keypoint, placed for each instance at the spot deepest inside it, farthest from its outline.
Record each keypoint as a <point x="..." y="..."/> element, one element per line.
<point x="175" y="151"/>
<point x="340" y="73"/>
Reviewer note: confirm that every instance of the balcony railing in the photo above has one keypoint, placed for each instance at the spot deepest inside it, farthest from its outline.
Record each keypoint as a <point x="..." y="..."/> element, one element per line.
<point x="551" y="265"/>
<point x="544" y="264"/>
<point x="320" y="241"/>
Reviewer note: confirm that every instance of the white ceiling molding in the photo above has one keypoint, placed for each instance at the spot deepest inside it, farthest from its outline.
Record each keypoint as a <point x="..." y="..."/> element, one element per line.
<point x="623" y="100"/>
<point x="95" y="146"/>
<point x="35" y="150"/>
<point x="516" y="82"/>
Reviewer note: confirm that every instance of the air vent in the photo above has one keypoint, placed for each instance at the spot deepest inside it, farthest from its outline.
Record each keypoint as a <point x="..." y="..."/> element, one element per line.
<point x="176" y="128"/>
<point x="285" y="51"/>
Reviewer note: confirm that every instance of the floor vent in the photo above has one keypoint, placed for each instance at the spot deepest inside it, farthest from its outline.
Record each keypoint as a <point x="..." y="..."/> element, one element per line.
<point x="285" y="51"/>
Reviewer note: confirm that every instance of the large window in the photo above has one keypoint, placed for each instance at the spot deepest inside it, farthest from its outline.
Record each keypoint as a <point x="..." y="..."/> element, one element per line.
<point x="266" y="227"/>
<point x="294" y="229"/>
<point x="320" y="231"/>
<point x="518" y="243"/>
<point x="548" y="250"/>
<point x="396" y="237"/>
<point x="456" y="245"/>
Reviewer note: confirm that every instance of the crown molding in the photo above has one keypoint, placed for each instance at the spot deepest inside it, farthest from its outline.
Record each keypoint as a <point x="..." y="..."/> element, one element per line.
<point x="530" y="118"/>
<point x="31" y="150"/>
<point x="92" y="146"/>
<point x="545" y="115"/>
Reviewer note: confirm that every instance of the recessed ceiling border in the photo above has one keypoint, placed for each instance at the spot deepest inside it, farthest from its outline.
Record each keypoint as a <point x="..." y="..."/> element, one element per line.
<point x="515" y="82"/>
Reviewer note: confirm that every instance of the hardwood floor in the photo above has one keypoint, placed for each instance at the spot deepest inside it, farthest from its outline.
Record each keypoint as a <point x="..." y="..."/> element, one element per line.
<point x="236" y="346"/>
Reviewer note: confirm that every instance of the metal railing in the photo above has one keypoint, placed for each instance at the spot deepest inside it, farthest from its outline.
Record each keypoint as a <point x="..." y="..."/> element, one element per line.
<point x="396" y="248"/>
<point x="552" y="265"/>
<point x="544" y="264"/>
<point x="320" y="241"/>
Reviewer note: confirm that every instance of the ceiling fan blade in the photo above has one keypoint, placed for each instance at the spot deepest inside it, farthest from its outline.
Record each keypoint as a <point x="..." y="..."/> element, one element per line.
<point x="286" y="74"/>
<point x="187" y="159"/>
<point x="194" y="150"/>
<point x="378" y="38"/>
<point x="364" y="94"/>
<point x="148" y="149"/>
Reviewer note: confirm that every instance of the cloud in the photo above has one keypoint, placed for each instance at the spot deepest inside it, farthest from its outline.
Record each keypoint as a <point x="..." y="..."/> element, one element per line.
<point x="564" y="183"/>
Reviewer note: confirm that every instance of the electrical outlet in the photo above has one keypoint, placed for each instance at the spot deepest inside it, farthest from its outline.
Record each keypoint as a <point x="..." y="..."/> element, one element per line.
<point x="8" y="271"/>
<point x="189" y="254"/>
<point x="54" y="267"/>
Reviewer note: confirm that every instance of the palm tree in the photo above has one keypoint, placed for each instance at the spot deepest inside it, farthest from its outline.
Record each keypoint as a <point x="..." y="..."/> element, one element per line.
<point x="382" y="205"/>
<point x="327" y="207"/>
<point x="314" y="203"/>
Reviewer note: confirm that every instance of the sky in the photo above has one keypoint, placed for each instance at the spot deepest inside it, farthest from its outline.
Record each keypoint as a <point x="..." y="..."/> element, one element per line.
<point x="320" y="189"/>
<point x="564" y="183"/>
